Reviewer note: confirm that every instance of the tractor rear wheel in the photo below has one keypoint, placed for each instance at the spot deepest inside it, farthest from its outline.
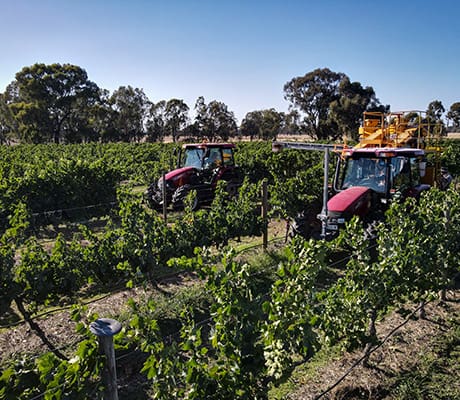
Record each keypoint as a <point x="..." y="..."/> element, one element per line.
<point x="180" y="195"/>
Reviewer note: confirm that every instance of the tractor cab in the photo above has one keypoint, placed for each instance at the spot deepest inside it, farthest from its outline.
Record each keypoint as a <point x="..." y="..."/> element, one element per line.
<point x="368" y="179"/>
<point x="206" y="156"/>
<point x="383" y="170"/>
<point x="200" y="166"/>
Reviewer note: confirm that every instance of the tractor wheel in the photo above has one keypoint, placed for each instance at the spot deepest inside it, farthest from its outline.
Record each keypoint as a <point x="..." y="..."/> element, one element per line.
<point x="179" y="196"/>
<point x="150" y="197"/>
<point x="305" y="224"/>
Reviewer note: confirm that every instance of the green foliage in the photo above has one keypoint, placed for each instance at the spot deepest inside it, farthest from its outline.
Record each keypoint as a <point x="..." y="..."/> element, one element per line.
<point x="46" y="101"/>
<point x="131" y="109"/>
<point x="288" y="331"/>
<point x="293" y="195"/>
<point x="295" y="177"/>
<point x="7" y="287"/>
<point x="52" y="378"/>
<point x="262" y="124"/>
<point x="214" y="121"/>
<point x="68" y="182"/>
<point x="225" y="361"/>
<point x="253" y="159"/>
<point x="330" y="104"/>
<point x="254" y="329"/>
<point x="451" y="156"/>
<point x="133" y="246"/>
<point x="454" y="114"/>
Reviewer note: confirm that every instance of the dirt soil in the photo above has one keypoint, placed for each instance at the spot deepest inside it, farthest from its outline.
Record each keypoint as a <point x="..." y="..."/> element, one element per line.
<point x="399" y="354"/>
<point x="59" y="328"/>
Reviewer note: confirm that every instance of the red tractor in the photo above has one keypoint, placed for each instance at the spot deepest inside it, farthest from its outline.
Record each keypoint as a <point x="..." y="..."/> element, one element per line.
<point x="397" y="157"/>
<point x="200" y="167"/>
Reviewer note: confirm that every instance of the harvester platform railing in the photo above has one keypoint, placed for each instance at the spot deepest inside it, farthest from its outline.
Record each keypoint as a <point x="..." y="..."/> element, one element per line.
<point x="398" y="129"/>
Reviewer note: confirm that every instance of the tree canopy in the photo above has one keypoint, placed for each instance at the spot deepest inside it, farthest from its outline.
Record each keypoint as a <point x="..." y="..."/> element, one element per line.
<point x="435" y="111"/>
<point x="131" y="107"/>
<point x="330" y="104"/>
<point x="46" y="101"/>
<point x="58" y="103"/>
<point x="263" y="124"/>
<point x="214" y="121"/>
<point x="454" y="114"/>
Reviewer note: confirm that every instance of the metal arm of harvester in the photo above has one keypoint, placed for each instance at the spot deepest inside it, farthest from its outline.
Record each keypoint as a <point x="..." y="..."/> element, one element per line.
<point x="326" y="148"/>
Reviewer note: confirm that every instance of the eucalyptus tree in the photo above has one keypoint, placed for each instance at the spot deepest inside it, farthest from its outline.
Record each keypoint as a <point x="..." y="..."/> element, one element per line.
<point x="175" y="117"/>
<point x="454" y="114"/>
<point x="46" y="100"/>
<point x="155" y="126"/>
<point x="132" y="108"/>
<point x="346" y="111"/>
<point x="214" y="120"/>
<point x="264" y="124"/>
<point x="102" y="119"/>
<point x="329" y="104"/>
<point x="292" y="122"/>
<point x="250" y="125"/>
<point x="434" y="114"/>
<point x="7" y="122"/>
<point x="312" y="95"/>
<point x="435" y="111"/>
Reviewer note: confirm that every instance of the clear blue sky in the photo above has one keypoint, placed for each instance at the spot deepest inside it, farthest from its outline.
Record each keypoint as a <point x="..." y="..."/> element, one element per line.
<point x="241" y="52"/>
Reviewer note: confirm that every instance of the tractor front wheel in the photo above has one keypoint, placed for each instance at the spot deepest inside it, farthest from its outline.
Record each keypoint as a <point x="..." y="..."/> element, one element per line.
<point x="306" y="224"/>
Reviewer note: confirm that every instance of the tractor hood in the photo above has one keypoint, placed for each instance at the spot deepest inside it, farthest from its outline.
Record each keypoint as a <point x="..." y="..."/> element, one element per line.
<point x="180" y="176"/>
<point x="352" y="201"/>
<point x="178" y="172"/>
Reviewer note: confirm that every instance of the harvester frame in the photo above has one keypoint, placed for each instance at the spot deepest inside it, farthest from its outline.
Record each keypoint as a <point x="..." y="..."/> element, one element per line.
<point x="403" y="147"/>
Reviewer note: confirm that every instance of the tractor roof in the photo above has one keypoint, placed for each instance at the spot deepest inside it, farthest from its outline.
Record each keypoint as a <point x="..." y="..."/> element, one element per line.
<point x="208" y="145"/>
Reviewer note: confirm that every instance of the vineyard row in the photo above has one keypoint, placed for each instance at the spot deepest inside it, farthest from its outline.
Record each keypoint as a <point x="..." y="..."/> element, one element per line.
<point x="258" y="325"/>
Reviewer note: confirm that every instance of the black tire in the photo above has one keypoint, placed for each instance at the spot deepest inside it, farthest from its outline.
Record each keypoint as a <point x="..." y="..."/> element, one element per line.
<point x="305" y="224"/>
<point x="180" y="194"/>
<point x="150" y="198"/>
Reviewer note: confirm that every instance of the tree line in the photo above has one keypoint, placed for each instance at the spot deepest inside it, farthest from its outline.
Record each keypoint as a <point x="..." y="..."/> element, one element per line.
<point x="58" y="103"/>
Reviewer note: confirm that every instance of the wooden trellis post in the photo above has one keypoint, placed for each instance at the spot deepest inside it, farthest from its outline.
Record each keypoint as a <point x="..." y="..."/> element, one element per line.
<point x="265" y="213"/>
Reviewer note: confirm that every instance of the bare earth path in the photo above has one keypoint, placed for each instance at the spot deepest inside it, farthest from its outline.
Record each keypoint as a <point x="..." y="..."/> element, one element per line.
<point x="399" y="354"/>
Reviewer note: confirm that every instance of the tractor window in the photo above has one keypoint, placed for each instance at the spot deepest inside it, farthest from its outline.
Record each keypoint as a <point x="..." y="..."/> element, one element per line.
<point x="400" y="172"/>
<point x="228" y="156"/>
<point x="193" y="158"/>
<point x="368" y="172"/>
<point x="213" y="158"/>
